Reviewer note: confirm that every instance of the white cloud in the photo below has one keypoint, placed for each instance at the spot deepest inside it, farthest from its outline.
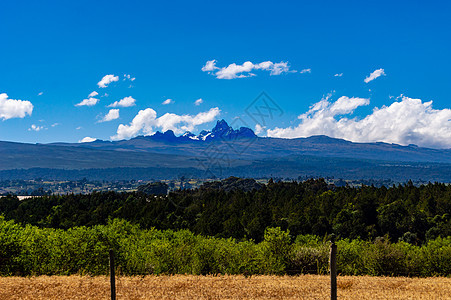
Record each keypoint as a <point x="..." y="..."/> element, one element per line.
<point x="106" y="80"/>
<point x="113" y="114"/>
<point x="93" y="94"/>
<point x="79" y="127"/>
<point x="199" y="101"/>
<point x="36" y="128"/>
<point x="305" y="71"/>
<point x="10" y="108"/>
<point x="409" y="121"/>
<point x="338" y="75"/>
<point x="374" y="75"/>
<point x="40" y="93"/>
<point x="259" y="129"/>
<point x="87" y="140"/>
<point x="275" y="68"/>
<point x="146" y="122"/>
<point x="210" y="66"/>
<point x="124" y="102"/>
<point x="167" y="101"/>
<point x="233" y="71"/>
<point x="88" y="102"/>
<point x="55" y="124"/>
<point x="129" y="77"/>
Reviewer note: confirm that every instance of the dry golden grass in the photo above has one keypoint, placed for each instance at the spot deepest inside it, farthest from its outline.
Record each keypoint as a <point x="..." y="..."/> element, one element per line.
<point x="224" y="287"/>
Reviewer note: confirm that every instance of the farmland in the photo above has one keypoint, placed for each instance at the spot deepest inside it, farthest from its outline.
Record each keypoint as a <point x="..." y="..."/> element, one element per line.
<point x="223" y="287"/>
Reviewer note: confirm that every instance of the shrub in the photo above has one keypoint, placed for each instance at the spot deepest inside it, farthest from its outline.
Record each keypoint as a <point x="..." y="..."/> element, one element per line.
<point x="276" y="250"/>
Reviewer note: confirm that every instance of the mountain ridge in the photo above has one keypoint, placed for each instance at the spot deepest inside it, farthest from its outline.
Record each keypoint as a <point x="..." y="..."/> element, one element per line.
<point x="230" y="149"/>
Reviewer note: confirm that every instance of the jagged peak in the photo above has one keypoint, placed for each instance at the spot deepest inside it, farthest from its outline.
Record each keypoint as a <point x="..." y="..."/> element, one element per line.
<point x="221" y="127"/>
<point x="222" y="130"/>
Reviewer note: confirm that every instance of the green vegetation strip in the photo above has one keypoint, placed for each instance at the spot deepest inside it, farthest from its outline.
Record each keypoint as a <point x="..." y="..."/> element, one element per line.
<point x="30" y="250"/>
<point x="243" y="209"/>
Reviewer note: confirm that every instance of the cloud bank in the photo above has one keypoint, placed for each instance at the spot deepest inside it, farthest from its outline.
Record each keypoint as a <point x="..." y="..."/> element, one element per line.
<point x="409" y="121"/>
<point x="106" y="80"/>
<point x="124" y="102"/>
<point x="146" y="123"/>
<point x="233" y="71"/>
<point x="374" y="75"/>
<point x="87" y="139"/>
<point x="11" y="108"/>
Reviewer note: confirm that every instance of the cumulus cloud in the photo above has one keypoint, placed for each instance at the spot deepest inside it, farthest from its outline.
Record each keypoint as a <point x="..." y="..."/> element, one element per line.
<point x="374" y="75"/>
<point x="113" y="114"/>
<point x="36" y="128"/>
<point x="167" y="101"/>
<point x="210" y="66"/>
<point x="106" y="80"/>
<point x="10" y="108"/>
<point x="233" y="71"/>
<point x="199" y="101"/>
<point x="124" y="102"/>
<point x="93" y="94"/>
<point x="259" y="129"/>
<point x="87" y="140"/>
<point x="88" y="102"/>
<point x="146" y="122"/>
<point x="408" y="121"/>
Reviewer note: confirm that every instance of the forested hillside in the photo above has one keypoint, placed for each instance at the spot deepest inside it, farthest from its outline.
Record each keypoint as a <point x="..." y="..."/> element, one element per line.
<point x="403" y="212"/>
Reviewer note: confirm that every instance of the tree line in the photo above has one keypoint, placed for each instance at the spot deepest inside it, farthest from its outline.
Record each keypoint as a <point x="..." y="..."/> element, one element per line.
<point x="403" y="212"/>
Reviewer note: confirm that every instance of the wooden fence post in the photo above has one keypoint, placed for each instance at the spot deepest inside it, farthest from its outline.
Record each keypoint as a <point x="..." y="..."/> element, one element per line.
<point x="112" y="276"/>
<point x="333" y="269"/>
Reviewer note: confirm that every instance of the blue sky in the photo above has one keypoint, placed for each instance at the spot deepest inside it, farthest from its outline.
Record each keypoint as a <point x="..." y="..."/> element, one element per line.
<point x="55" y="53"/>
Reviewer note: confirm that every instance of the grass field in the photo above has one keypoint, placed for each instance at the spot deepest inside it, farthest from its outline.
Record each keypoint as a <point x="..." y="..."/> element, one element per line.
<point x="223" y="287"/>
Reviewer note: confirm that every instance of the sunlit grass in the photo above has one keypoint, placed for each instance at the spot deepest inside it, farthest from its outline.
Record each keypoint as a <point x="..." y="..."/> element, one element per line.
<point x="223" y="287"/>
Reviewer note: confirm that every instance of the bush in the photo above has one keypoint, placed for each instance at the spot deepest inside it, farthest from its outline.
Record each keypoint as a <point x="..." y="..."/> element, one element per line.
<point x="276" y="250"/>
<point x="30" y="250"/>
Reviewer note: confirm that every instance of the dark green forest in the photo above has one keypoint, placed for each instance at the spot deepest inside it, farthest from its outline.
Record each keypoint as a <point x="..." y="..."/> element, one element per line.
<point x="242" y="209"/>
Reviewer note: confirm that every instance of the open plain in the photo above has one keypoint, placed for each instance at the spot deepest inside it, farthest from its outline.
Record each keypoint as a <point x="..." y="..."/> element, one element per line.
<point x="223" y="287"/>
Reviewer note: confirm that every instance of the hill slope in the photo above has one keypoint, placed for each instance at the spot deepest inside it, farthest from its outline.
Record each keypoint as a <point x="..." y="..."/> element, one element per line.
<point x="225" y="151"/>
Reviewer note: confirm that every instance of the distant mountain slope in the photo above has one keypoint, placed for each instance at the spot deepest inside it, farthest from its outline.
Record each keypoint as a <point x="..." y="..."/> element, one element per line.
<point x="228" y="151"/>
<point x="26" y="156"/>
<point x="244" y="144"/>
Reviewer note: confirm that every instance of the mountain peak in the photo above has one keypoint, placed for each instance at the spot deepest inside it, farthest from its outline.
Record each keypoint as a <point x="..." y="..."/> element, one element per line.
<point x="221" y="131"/>
<point x="221" y="128"/>
<point x="168" y="135"/>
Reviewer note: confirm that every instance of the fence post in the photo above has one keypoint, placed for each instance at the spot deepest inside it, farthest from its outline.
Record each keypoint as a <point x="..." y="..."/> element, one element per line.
<point x="112" y="276"/>
<point x="333" y="269"/>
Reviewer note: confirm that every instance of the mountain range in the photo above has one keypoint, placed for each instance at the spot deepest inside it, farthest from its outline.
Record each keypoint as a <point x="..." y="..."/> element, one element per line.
<point x="225" y="151"/>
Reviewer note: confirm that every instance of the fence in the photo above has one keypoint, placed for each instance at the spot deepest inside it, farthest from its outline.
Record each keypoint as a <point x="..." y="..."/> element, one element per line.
<point x="332" y="271"/>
